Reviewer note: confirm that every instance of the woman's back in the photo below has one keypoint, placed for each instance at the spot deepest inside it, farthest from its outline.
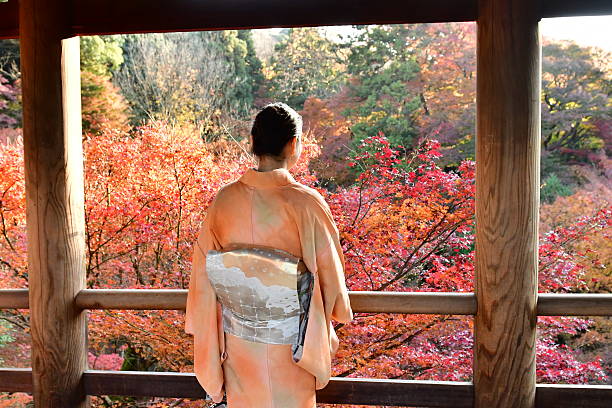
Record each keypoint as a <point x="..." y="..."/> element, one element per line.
<point x="269" y="209"/>
<point x="260" y="208"/>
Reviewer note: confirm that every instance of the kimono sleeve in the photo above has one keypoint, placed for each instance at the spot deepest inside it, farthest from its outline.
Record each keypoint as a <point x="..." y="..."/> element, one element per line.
<point x="329" y="260"/>
<point x="202" y="316"/>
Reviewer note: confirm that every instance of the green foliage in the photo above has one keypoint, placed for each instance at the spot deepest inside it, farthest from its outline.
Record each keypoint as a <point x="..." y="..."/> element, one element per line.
<point x="575" y="93"/>
<point x="553" y="187"/>
<point x="101" y="55"/>
<point x="550" y="162"/>
<point x="305" y="64"/>
<point x="247" y="68"/>
<point x="382" y="67"/>
<point x="5" y="336"/>
<point x="9" y="57"/>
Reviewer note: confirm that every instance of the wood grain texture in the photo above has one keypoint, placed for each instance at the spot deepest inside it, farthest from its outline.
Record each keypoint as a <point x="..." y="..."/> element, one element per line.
<point x="132" y="299"/>
<point x="574" y="304"/>
<point x="361" y="391"/>
<point x="413" y="302"/>
<point x="14" y="299"/>
<point x="16" y="380"/>
<point x="573" y="396"/>
<point x="138" y="16"/>
<point x="9" y="19"/>
<point x="372" y="302"/>
<point x="507" y="199"/>
<point x="54" y="202"/>
<point x="455" y="303"/>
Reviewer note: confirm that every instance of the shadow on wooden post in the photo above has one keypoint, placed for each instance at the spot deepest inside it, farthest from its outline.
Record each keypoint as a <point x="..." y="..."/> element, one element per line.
<point x="507" y="201"/>
<point x="53" y="156"/>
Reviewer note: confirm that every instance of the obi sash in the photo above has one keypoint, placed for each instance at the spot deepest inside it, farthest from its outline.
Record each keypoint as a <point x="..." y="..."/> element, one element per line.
<point x="264" y="293"/>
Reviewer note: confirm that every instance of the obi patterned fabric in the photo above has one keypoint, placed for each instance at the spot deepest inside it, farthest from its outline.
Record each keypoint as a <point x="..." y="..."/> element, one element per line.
<point x="264" y="293"/>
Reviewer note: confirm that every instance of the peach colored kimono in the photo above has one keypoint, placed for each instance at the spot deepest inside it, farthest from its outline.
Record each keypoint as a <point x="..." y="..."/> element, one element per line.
<point x="268" y="208"/>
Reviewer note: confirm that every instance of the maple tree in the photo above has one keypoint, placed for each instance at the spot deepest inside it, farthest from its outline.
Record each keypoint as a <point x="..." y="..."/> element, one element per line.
<point x="410" y="228"/>
<point x="146" y="192"/>
<point x="324" y="122"/>
<point x="101" y="102"/>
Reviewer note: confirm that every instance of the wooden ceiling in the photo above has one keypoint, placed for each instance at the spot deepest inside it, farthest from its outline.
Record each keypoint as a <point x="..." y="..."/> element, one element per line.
<point x="91" y="17"/>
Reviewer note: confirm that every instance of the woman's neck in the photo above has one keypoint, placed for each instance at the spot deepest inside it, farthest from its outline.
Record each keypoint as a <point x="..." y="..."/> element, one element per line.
<point x="268" y="164"/>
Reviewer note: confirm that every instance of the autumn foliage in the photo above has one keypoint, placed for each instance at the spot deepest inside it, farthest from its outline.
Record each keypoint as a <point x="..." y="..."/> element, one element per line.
<point x="405" y="225"/>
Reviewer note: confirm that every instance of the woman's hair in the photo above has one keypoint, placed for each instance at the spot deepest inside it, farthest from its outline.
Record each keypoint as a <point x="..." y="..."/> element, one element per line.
<point x="274" y="126"/>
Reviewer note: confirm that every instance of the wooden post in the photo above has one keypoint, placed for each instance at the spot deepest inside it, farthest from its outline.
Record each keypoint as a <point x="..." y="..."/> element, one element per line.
<point x="507" y="200"/>
<point x="54" y="202"/>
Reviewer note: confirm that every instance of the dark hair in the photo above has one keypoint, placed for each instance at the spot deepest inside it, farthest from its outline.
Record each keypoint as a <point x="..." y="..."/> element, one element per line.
<point x="274" y="126"/>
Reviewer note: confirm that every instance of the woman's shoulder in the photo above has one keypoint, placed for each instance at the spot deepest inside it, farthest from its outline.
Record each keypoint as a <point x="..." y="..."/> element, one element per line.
<point x="225" y="193"/>
<point x="307" y="197"/>
<point x="299" y="196"/>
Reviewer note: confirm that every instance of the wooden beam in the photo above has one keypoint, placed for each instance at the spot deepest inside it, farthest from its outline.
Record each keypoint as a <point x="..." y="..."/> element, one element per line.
<point x="413" y="302"/>
<point x="14" y="299"/>
<point x="455" y="303"/>
<point x="360" y="391"/>
<point x="143" y="384"/>
<point x="507" y="203"/>
<point x="574" y="304"/>
<point x="372" y="302"/>
<point x="132" y="299"/>
<point x="54" y="202"/>
<point x="452" y="303"/>
<point x="571" y="8"/>
<point x="410" y="393"/>
<point x="573" y="396"/>
<point x="16" y="380"/>
<point x="182" y="15"/>
<point x="140" y="16"/>
<point x="9" y="19"/>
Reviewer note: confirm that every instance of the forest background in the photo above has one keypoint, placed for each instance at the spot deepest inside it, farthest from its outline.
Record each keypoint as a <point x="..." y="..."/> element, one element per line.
<point x="389" y="127"/>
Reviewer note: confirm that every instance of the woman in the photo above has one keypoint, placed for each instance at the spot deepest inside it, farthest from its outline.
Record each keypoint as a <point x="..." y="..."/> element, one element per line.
<point x="267" y="207"/>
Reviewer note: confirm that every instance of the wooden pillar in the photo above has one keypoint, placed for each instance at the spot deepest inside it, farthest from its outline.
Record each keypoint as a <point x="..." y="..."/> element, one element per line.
<point x="54" y="202"/>
<point x="507" y="199"/>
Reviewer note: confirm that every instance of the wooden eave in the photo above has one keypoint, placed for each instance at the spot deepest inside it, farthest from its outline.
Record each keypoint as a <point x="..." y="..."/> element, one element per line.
<point x="91" y="17"/>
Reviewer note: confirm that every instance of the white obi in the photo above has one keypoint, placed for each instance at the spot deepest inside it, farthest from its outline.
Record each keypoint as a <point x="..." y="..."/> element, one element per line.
<point x="264" y="293"/>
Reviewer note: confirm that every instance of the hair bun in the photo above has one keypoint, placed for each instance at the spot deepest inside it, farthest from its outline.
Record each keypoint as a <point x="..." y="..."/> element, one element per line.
<point x="274" y="126"/>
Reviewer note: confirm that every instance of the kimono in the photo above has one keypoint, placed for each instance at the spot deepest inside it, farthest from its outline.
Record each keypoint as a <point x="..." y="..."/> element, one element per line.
<point x="270" y="209"/>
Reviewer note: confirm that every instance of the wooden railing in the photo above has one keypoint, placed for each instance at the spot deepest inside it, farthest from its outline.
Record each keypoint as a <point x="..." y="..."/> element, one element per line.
<point x="452" y="303"/>
<point x="339" y="390"/>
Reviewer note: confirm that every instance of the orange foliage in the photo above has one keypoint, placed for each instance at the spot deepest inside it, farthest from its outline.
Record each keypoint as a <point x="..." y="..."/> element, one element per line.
<point x="594" y="251"/>
<point x="324" y="122"/>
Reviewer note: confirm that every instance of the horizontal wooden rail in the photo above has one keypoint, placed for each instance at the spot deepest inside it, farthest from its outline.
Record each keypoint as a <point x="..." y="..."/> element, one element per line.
<point x="132" y="299"/>
<point x="574" y="304"/>
<point x="138" y="16"/>
<point x="16" y="380"/>
<point x="361" y="391"/>
<point x="573" y="396"/>
<point x="413" y="302"/>
<point x="14" y="299"/>
<point x="455" y="303"/>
